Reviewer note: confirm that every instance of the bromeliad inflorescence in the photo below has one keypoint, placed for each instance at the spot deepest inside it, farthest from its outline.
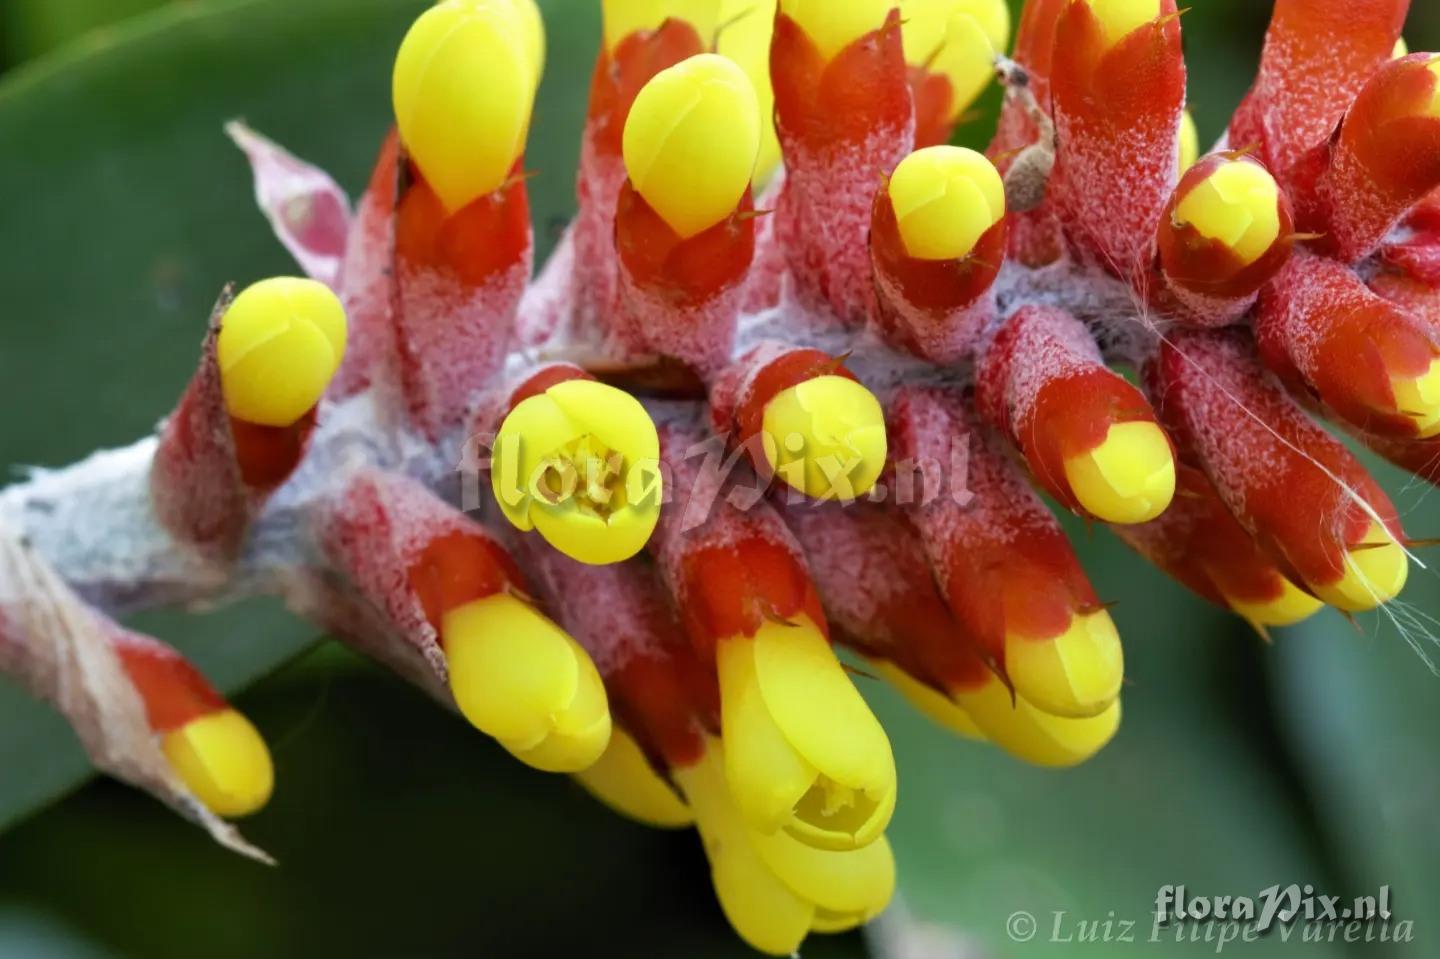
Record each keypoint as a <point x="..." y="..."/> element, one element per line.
<point x="751" y="409"/>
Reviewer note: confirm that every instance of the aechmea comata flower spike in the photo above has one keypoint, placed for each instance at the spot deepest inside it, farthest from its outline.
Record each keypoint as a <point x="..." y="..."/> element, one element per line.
<point x="518" y="677"/>
<point x="1385" y="159"/>
<point x="1287" y="113"/>
<point x="1004" y="566"/>
<point x="1372" y="361"/>
<point x="1117" y="87"/>
<point x="212" y="747"/>
<point x="1225" y="232"/>
<point x="804" y="418"/>
<point x="623" y="779"/>
<point x="1314" y="509"/>
<point x="950" y="46"/>
<point x="880" y="594"/>
<point x="746" y="28"/>
<point x="280" y="342"/>
<point x="463" y="87"/>
<point x="1088" y="436"/>
<point x="691" y="140"/>
<point x="1201" y="545"/>
<point x="580" y="463"/>
<point x="844" y="115"/>
<point x="773" y="889"/>
<point x="937" y="240"/>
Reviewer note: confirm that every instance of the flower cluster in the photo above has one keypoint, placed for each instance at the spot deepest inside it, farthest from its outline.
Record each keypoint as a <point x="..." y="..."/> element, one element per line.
<point x="774" y="245"/>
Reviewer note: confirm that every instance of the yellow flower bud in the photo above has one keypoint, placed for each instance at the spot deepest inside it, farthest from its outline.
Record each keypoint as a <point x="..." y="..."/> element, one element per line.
<point x="931" y="703"/>
<point x="518" y="677"/>
<point x="581" y="464"/>
<point x="1237" y="205"/>
<point x="624" y="17"/>
<point x="1032" y="735"/>
<point x="1128" y="478"/>
<point x="834" y="26"/>
<point x="1419" y="398"/>
<point x="1189" y="141"/>
<point x="1402" y="49"/>
<point x="463" y="87"/>
<point x="1375" y="573"/>
<point x="958" y="38"/>
<point x="624" y="780"/>
<point x="803" y="751"/>
<point x="222" y="760"/>
<point x="279" y="345"/>
<point x="1290" y="607"/>
<point x="1120" y="18"/>
<point x="691" y="140"/>
<point x="945" y="198"/>
<point x="1076" y="674"/>
<point x="746" y="29"/>
<point x="826" y="437"/>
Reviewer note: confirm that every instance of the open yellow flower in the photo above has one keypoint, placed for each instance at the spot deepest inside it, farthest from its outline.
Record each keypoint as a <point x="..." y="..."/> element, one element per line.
<point x="804" y="754"/>
<point x="581" y="464"/>
<point x="773" y="888"/>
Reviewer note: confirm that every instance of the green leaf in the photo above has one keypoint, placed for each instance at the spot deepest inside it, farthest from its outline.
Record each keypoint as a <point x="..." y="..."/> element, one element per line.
<point x="127" y="208"/>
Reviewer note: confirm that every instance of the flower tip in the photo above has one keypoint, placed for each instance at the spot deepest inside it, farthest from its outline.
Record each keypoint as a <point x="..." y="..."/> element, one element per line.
<point x="518" y="677"/>
<point x="691" y="141"/>
<point x="279" y="345"/>
<point x="1128" y="478"/>
<point x="826" y="437"/>
<point x="624" y="780"/>
<point x="956" y="40"/>
<point x="1374" y="573"/>
<point x="834" y="26"/>
<point x="1120" y="18"/>
<point x="463" y="87"/>
<point x="1074" y="675"/>
<point x="223" y="761"/>
<point x="580" y="463"/>
<point x="945" y="198"/>
<point x="1238" y="205"/>
<point x="621" y="18"/>
<point x="1402" y="49"/>
<point x="930" y="702"/>
<point x="1292" y="606"/>
<point x="1034" y="736"/>
<point x="1419" y="398"/>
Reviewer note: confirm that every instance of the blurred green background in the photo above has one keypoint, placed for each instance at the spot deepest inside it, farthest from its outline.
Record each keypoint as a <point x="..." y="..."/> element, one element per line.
<point x="401" y="833"/>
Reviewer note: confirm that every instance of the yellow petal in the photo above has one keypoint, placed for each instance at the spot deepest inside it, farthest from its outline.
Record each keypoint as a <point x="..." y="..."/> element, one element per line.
<point x="765" y="913"/>
<point x="1075" y="674"/>
<point x="1373" y="574"/>
<point x="517" y="676"/>
<point x="825" y="720"/>
<point x="624" y="780"/>
<point x="624" y="17"/>
<point x="691" y="139"/>
<point x="931" y="702"/>
<point x="1237" y="205"/>
<point x="855" y="882"/>
<point x="1033" y="736"/>
<point x="1128" y="478"/>
<point x="1290" y="607"/>
<point x="1419" y="398"/>
<point x="1189" y="141"/>
<point x="463" y="87"/>
<point x="766" y="774"/>
<point x="279" y="345"/>
<point x="615" y="417"/>
<point x="748" y="26"/>
<point x="945" y="198"/>
<point x="827" y="435"/>
<point x="956" y="38"/>
<point x="1119" y="18"/>
<point x="223" y="761"/>
<point x="834" y="26"/>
